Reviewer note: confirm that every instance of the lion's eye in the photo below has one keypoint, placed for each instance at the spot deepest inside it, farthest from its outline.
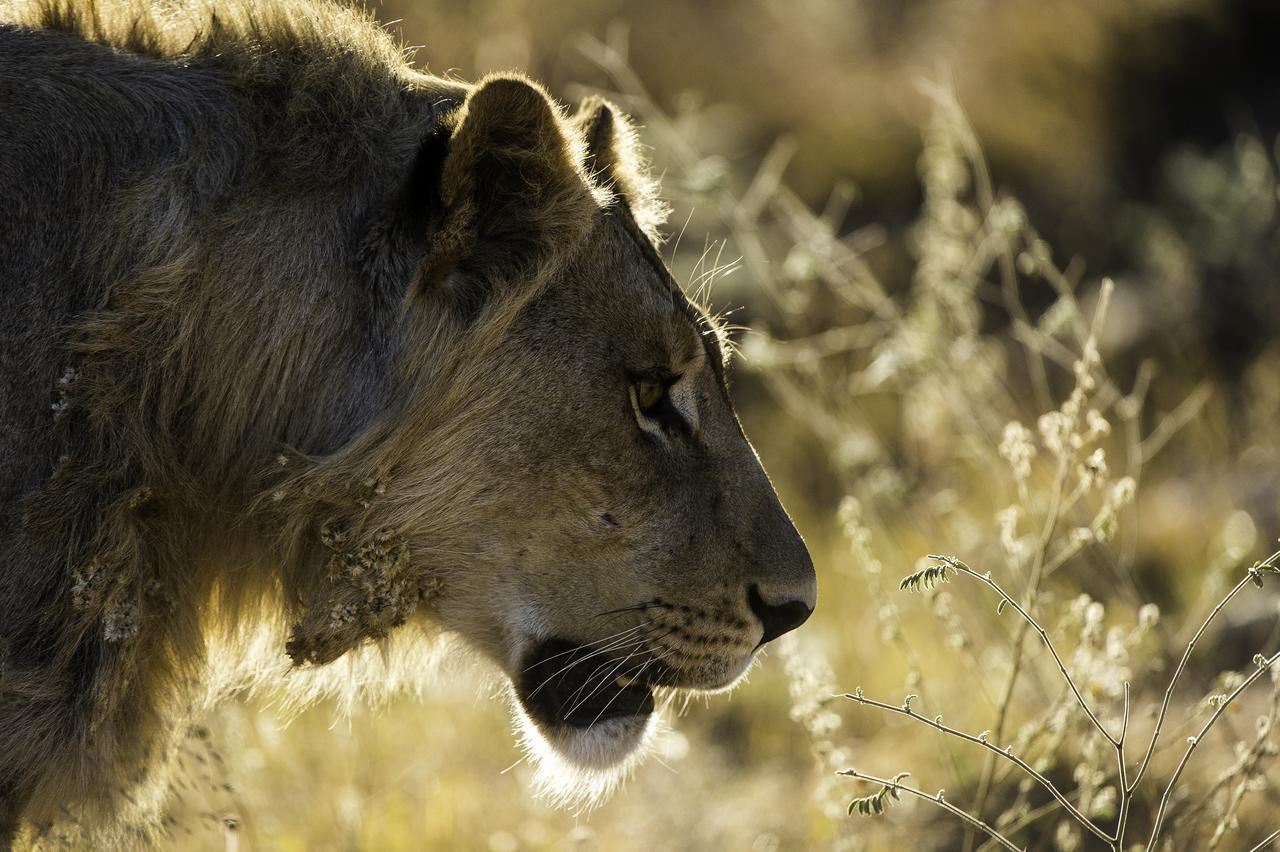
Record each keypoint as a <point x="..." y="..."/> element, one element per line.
<point x="649" y="394"/>
<point x="651" y="397"/>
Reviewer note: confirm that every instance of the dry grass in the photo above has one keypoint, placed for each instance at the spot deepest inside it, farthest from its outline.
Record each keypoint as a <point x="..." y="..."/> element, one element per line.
<point x="966" y="408"/>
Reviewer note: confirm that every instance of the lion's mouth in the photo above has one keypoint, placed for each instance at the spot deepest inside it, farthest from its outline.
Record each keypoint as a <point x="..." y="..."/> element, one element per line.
<point x="566" y="684"/>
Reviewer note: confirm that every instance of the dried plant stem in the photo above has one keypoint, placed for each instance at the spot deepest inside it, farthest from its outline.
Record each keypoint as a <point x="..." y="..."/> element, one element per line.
<point x="1182" y="664"/>
<point x="1008" y="755"/>
<point x="1127" y="786"/>
<point x="1244" y="769"/>
<point x="1002" y="715"/>
<point x="1019" y="643"/>
<point x="1117" y="742"/>
<point x="1228" y="814"/>
<point x="938" y="800"/>
<point x="1122" y="773"/>
<point x="1270" y="837"/>
<point x="1026" y="820"/>
<point x="1263" y="666"/>
<point x="1034" y="625"/>
<point x="1176" y="419"/>
<point x="937" y="572"/>
<point x="986" y="198"/>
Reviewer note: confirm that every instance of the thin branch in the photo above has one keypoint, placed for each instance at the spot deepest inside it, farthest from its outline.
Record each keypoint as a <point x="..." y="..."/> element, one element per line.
<point x="937" y="800"/>
<point x="1246" y="766"/>
<point x="986" y="579"/>
<point x="1228" y="814"/>
<point x="1124" y="721"/>
<point x="1252" y="576"/>
<point x="1019" y="643"/>
<point x="1006" y="753"/>
<point x="1122" y="778"/>
<point x="1270" y="837"/>
<point x="1263" y="666"/>
<point x="1176" y="419"/>
<point x="1022" y="822"/>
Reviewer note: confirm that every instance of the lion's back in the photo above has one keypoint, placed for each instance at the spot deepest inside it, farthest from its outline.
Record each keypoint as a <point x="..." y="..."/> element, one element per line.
<point x="61" y="97"/>
<point x="45" y="222"/>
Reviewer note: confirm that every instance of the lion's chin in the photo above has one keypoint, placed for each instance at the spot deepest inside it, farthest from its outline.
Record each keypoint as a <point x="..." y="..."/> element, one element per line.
<point x="585" y="719"/>
<point x="579" y="767"/>
<point x="605" y="747"/>
<point x="582" y="725"/>
<point x="579" y="703"/>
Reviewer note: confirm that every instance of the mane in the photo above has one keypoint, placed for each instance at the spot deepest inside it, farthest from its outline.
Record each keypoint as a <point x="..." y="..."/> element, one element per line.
<point x="263" y="164"/>
<point x="258" y="43"/>
<point x="327" y="55"/>
<point x="214" y="130"/>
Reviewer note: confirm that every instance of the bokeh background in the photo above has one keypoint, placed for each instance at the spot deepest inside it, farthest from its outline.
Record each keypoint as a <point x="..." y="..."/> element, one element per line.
<point x="909" y="208"/>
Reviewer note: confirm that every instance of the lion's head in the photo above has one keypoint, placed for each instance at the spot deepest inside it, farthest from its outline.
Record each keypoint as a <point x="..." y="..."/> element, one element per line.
<point x="570" y="479"/>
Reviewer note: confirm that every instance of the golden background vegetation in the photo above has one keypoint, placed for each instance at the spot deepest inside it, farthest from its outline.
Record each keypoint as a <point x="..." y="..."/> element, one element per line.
<point x="861" y="161"/>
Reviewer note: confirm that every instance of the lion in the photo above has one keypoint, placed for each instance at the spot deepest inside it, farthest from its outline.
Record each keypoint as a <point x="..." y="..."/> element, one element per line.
<point x="307" y="356"/>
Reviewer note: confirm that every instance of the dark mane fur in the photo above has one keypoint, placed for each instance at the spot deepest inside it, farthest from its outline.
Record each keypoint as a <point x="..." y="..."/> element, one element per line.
<point x="212" y="217"/>
<point x="193" y="186"/>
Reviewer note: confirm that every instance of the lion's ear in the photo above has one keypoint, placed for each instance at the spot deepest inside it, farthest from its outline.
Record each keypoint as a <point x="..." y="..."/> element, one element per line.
<point x="614" y="161"/>
<point x="512" y="185"/>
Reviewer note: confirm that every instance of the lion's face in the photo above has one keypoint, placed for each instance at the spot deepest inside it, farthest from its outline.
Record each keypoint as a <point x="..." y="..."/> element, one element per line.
<point x="633" y="539"/>
<point x="610" y="532"/>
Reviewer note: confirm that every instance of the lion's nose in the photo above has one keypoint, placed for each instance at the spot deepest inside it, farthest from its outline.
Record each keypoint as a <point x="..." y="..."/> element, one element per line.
<point x="777" y="618"/>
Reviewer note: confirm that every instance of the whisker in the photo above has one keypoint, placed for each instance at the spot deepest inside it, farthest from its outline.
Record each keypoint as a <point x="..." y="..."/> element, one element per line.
<point x="600" y="684"/>
<point x="571" y="663"/>
<point x="576" y="648"/>
<point x="560" y="671"/>
<point x="588" y="679"/>
<point x="609" y="703"/>
<point x="635" y="674"/>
